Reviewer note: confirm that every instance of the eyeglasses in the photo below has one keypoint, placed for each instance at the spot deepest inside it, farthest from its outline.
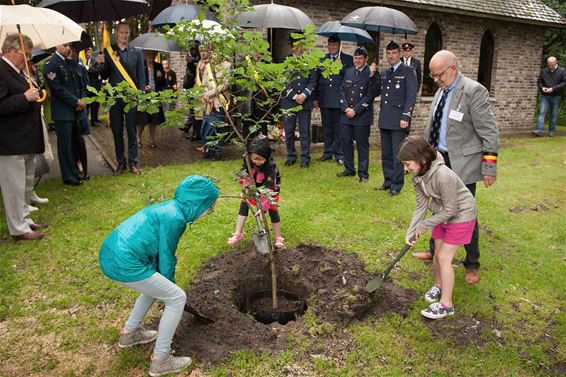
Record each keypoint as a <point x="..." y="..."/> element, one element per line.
<point x="438" y="75"/>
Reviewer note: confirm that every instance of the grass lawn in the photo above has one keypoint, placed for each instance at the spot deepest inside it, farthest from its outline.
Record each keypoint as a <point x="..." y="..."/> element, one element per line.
<point x="59" y="316"/>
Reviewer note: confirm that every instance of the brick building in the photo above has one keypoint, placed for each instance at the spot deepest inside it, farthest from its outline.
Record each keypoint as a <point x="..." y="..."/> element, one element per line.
<point x="498" y="42"/>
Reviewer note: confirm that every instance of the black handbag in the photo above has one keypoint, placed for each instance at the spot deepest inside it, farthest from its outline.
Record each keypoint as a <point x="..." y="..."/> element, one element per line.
<point x="41" y="165"/>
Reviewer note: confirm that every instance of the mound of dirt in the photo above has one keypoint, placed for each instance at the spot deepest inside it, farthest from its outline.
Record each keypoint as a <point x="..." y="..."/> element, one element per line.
<point x="331" y="281"/>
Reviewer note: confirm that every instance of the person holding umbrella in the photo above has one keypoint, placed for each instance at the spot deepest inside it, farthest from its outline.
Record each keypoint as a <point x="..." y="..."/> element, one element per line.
<point x="118" y="63"/>
<point x="328" y="99"/>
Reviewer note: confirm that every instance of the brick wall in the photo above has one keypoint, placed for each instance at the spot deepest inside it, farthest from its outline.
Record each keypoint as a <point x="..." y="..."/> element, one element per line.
<point x="516" y="62"/>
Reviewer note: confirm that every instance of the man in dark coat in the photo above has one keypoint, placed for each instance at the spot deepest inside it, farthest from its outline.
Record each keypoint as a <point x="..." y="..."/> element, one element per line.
<point x="132" y="61"/>
<point x="411" y="61"/>
<point x="64" y="82"/>
<point x="299" y="92"/>
<point x="328" y="99"/>
<point x="358" y="90"/>
<point x="21" y="137"/>
<point x="398" y="97"/>
<point x="95" y="82"/>
<point x="551" y="83"/>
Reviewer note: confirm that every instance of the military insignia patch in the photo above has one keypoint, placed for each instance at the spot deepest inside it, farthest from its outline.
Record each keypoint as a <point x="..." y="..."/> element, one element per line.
<point x="51" y="76"/>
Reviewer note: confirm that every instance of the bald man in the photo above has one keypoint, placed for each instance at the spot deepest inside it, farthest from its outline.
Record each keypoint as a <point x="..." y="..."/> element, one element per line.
<point x="462" y="128"/>
<point x="551" y="83"/>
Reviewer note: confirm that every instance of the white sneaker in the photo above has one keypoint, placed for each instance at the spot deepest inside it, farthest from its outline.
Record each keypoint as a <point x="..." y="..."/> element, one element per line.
<point x="168" y="364"/>
<point x="35" y="199"/>
<point x="32" y="208"/>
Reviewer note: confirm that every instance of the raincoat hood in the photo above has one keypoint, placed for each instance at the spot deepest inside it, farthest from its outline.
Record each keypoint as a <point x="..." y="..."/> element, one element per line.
<point x="194" y="196"/>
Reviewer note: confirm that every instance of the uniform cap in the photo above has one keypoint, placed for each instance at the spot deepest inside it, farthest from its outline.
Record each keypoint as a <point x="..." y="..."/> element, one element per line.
<point x="407" y="46"/>
<point x="392" y="46"/>
<point x="361" y="51"/>
<point x="333" y="38"/>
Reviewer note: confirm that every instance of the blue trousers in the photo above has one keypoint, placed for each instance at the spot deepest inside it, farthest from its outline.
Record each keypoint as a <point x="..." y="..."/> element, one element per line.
<point x="546" y="103"/>
<point x="117" y="119"/>
<point x="392" y="168"/>
<point x="66" y="150"/>
<point x="332" y="131"/>
<point x="303" y="119"/>
<point x="361" y="135"/>
<point x="213" y="124"/>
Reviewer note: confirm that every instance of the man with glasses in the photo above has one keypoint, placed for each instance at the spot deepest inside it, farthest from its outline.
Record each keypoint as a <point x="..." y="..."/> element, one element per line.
<point x="462" y="128"/>
<point x="398" y="97"/>
<point x="21" y="137"/>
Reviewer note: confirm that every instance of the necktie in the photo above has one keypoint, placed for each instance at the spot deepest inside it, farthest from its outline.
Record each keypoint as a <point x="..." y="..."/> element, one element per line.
<point x="391" y="70"/>
<point x="435" y="128"/>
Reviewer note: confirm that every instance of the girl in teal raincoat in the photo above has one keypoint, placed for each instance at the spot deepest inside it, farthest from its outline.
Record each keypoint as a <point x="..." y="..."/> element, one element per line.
<point x="140" y="254"/>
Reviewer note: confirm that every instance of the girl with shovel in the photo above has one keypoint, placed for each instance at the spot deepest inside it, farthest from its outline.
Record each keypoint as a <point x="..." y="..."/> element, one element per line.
<point x="439" y="190"/>
<point x="265" y="174"/>
<point x="140" y="254"/>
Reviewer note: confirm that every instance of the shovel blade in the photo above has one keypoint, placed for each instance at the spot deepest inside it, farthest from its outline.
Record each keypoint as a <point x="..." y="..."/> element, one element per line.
<point x="261" y="243"/>
<point x="373" y="284"/>
<point x="201" y="317"/>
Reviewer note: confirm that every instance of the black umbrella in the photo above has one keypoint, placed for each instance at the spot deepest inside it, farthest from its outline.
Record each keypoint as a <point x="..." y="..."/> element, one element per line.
<point x="39" y="55"/>
<point x="274" y="16"/>
<point x="179" y="13"/>
<point x="96" y="10"/>
<point x="345" y="33"/>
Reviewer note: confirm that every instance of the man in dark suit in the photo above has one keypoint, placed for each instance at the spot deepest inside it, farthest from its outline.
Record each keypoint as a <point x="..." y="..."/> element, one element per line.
<point x="95" y="82"/>
<point x="398" y="97"/>
<point x="299" y="92"/>
<point x="21" y="137"/>
<point x="132" y="61"/>
<point x="411" y="61"/>
<point x="64" y="84"/>
<point x="328" y="99"/>
<point x="357" y="92"/>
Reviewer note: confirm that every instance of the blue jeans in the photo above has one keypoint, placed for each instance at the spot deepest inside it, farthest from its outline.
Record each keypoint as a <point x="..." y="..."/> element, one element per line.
<point x="158" y="287"/>
<point x="547" y="102"/>
<point x="213" y="124"/>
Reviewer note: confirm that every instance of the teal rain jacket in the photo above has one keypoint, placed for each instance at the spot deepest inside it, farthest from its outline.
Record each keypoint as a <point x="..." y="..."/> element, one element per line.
<point x="146" y="242"/>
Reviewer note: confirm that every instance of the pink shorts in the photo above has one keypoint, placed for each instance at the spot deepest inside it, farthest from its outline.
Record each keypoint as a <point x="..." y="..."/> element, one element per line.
<point x="454" y="233"/>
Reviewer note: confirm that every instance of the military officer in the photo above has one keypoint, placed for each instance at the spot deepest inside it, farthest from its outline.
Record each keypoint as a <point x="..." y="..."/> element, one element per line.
<point x="398" y="97"/>
<point x="65" y="87"/>
<point x="410" y="60"/>
<point x="328" y="99"/>
<point x="299" y="91"/>
<point x="358" y="90"/>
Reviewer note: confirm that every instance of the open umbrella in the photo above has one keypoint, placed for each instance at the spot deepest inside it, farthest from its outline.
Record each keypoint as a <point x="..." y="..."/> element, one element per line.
<point x="345" y="33"/>
<point x="154" y="42"/>
<point x="274" y="16"/>
<point x="381" y="19"/>
<point x="96" y="10"/>
<point x="45" y="27"/>
<point x="179" y="13"/>
<point x="211" y="28"/>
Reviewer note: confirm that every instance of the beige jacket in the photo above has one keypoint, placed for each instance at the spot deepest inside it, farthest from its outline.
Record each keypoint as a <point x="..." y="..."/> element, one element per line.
<point x="445" y="195"/>
<point x="216" y="84"/>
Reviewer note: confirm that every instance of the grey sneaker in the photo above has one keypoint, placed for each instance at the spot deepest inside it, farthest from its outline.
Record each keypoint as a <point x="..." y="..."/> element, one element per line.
<point x="138" y="336"/>
<point x="552" y="134"/>
<point x="437" y="311"/>
<point x="537" y="133"/>
<point x="433" y="294"/>
<point x="168" y="364"/>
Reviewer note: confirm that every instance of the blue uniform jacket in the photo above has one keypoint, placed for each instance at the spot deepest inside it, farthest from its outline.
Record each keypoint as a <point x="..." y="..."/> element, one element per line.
<point x="398" y="97"/>
<point x="300" y="85"/>
<point x="146" y="242"/>
<point x="64" y="84"/>
<point x="328" y="93"/>
<point x="358" y="92"/>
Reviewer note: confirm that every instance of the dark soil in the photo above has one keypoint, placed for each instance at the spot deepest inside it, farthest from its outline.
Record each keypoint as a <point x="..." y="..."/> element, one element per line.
<point x="466" y="330"/>
<point x="331" y="281"/>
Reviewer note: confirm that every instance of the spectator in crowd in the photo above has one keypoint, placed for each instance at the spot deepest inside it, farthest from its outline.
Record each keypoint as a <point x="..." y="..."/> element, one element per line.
<point x="193" y="121"/>
<point x="411" y="61"/>
<point x="551" y="83"/>
<point x="121" y="62"/>
<point x="328" y="99"/>
<point x="358" y="90"/>
<point x="398" y="97"/>
<point x="171" y="80"/>
<point x="64" y="82"/>
<point x="299" y="91"/>
<point x="21" y="137"/>
<point x="96" y="82"/>
<point x="462" y="128"/>
<point x="156" y="81"/>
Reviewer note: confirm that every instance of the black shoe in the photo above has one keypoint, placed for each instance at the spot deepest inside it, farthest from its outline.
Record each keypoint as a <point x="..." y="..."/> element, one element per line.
<point x="290" y="163"/>
<point x="120" y="169"/>
<point x="364" y="180"/>
<point x="383" y="188"/>
<point x="340" y="162"/>
<point x="305" y="164"/>
<point x="325" y="158"/>
<point x="73" y="183"/>
<point x="394" y="192"/>
<point x="84" y="177"/>
<point x="346" y="173"/>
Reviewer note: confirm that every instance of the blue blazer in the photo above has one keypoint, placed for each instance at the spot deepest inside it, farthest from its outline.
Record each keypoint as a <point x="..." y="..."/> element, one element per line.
<point x="398" y="97"/>
<point x="328" y="93"/>
<point x="65" y="85"/>
<point x="358" y="92"/>
<point x="300" y="85"/>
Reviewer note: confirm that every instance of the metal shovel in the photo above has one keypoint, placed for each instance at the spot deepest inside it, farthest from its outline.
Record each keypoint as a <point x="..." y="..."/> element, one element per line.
<point x="261" y="241"/>
<point x="198" y="315"/>
<point x="373" y="284"/>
